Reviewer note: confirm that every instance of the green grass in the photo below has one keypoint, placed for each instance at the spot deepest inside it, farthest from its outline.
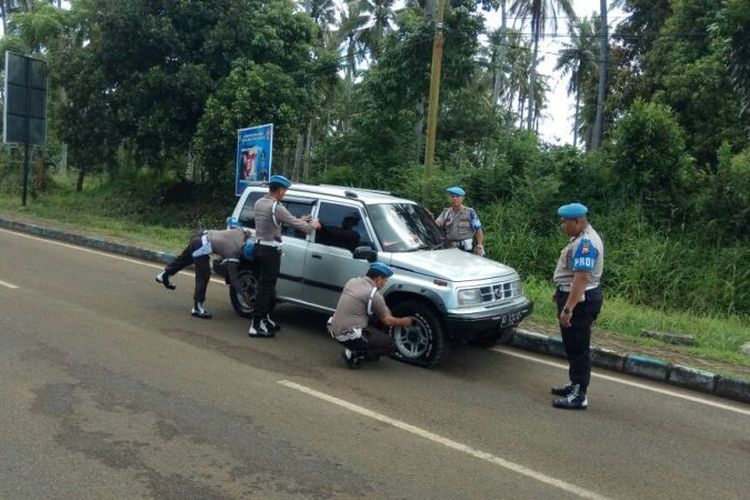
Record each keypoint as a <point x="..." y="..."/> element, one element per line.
<point x="716" y="337"/>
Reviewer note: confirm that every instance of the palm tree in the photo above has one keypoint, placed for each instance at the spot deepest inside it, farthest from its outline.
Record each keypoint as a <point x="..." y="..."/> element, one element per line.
<point x="541" y="12"/>
<point x="577" y="59"/>
<point x="348" y="34"/>
<point x="501" y="50"/>
<point x="382" y="17"/>
<point x="603" y="60"/>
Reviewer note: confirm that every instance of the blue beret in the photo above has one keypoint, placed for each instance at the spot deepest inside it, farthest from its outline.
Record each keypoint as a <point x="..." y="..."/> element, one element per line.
<point x="381" y="268"/>
<point x="280" y="179"/>
<point x="456" y="190"/>
<point x="232" y="222"/>
<point x="572" y="211"/>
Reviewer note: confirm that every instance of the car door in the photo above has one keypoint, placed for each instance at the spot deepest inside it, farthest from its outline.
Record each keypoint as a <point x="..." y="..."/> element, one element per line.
<point x="329" y="262"/>
<point x="290" y="280"/>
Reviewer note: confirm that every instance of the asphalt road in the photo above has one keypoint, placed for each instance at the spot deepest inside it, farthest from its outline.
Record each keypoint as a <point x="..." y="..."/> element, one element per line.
<point x="110" y="389"/>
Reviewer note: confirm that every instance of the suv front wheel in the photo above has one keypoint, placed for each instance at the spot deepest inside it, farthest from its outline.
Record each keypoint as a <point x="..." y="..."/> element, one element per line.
<point x="424" y="343"/>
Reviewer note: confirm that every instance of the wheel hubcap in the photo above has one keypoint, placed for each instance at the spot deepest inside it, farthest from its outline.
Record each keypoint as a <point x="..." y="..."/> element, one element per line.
<point x="411" y="341"/>
<point x="247" y="297"/>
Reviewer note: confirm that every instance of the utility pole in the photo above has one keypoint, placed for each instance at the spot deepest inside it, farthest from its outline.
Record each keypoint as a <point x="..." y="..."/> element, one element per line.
<point x="434" y="103"/>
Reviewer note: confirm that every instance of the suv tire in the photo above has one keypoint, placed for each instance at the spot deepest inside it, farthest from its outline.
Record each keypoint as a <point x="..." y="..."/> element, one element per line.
<point x="425" y="343"/>
<point x="501" y="336"/>
<point x="244" y="302"/>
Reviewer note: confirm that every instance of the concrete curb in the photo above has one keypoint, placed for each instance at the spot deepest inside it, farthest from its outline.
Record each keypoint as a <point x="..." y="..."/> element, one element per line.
<point x="87" y="241"/>
<point x="641" y="366"/>
<point x="633" y="364"/>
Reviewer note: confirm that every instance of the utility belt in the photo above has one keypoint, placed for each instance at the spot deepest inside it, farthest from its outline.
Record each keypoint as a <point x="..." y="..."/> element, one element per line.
<point x="566" y="288"/>
<point x="466" y="245"/>
<point x="270" y="243"/>
<point x="350" y="334"/>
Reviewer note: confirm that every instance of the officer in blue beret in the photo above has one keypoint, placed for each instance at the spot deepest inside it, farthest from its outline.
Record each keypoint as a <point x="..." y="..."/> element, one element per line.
<point x="360" y="302"/>
<point x="270" y="216"/>
<point x="579" y="299"/>
<point x="461" y="224"/>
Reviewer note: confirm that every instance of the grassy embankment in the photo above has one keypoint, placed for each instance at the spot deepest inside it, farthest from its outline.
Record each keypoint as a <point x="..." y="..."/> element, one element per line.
<point x="133" y="217"/>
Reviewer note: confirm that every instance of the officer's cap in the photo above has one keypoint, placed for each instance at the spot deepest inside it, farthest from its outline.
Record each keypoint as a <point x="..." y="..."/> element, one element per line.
<point x="456" y="190"/>
<point x="281" y="180"/>
<point x="381" y="268"/>
<point x="572" y="211"/>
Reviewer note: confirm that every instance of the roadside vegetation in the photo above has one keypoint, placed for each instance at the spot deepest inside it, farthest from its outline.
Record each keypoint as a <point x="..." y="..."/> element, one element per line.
<point x="146" y="97"/>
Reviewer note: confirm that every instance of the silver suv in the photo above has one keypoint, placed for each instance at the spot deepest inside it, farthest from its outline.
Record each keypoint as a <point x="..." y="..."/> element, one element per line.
<point x="455" y="296"/>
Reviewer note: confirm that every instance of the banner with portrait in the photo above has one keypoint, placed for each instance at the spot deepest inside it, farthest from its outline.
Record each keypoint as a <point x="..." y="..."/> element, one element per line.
<point x="254" y="155"/>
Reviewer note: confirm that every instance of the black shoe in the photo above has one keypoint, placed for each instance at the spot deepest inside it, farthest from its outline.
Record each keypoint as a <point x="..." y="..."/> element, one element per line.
<point x="260" y="329"/>
<point x="576" y="400"/>
<point x="563" y="391"/>
<point x="352" y="359"/>
<point x="200" y="312"/>
<point x="275" y="327"/>
<point x="163" y="278"/>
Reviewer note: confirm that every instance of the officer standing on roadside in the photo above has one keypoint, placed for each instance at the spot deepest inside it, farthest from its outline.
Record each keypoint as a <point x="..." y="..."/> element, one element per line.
<point x="579" y="300"/>
<point x="227" y="243"/>
<point x="461" y="224"/>
<point x="270" y="216"/>
<point x="350" y="324"/>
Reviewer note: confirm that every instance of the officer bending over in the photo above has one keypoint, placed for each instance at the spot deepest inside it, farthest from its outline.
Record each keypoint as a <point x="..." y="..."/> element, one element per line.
<point x="227" y="243"/>
<point x="350" y="324"/>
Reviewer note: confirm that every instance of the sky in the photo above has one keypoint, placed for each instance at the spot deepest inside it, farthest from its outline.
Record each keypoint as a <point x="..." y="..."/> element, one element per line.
<point x="556" y="125"/>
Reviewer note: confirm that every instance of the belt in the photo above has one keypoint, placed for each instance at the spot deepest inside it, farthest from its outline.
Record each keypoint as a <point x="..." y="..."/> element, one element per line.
<point x="566" y="288"/>
<point x="270" y="243"/>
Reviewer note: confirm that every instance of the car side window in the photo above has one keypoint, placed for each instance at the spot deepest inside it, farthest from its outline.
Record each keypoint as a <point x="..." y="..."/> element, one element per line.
<point x="297" y="208"/>
<point x="341" y="226"/>
<point x="247" y="214"/>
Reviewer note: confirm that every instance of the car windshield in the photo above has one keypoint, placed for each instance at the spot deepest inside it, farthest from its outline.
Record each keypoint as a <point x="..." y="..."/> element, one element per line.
<point x="405" y="227"/>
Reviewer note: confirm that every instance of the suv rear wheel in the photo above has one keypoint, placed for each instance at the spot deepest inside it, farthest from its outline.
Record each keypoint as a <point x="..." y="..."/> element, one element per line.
<point x="243" y="301"/>
<point x="424" y="343"/>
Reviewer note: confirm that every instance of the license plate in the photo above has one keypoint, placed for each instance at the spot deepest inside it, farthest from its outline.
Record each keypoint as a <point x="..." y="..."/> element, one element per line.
<point x="510" y="319"/>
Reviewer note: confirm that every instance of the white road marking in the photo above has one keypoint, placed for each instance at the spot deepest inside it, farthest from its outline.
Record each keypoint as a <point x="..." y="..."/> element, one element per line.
<point x="8" y="285"/>
<point x="97" y="252"/>
<point x="449" y="443"/>
<point x="658" y="390"/>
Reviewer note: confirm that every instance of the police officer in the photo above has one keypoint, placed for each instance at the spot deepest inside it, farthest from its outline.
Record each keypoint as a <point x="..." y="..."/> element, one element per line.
<point x="461" y="224"/>
<point x="227" y="243"/>
<point x="579" y="300"/>
<point x="350" y="324"/>
<point x="270" y="216"/>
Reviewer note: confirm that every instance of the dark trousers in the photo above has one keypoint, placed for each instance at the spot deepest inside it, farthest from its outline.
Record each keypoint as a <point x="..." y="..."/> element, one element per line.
<point x="373" y="343"/>
<point x="268" y="259"/>
<point x="577" y="337"/>
<point x="202" y="267"/>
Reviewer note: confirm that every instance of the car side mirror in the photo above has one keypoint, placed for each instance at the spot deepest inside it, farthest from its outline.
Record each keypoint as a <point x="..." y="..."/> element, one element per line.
<point x="365" y="253"/>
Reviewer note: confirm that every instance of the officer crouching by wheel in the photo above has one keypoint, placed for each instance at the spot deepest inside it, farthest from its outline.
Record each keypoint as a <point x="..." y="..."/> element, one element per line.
<point x="350" y="324"/>
<point x="579" y="300"/>
<point x="270" y="216"/>
<point x="461" y="224"/>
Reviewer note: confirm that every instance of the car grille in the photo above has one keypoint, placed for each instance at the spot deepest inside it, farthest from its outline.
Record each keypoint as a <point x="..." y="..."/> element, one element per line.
<point x="500" y="292"/>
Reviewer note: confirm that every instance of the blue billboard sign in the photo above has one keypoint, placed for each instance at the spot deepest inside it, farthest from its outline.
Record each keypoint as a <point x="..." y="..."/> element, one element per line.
<point x="254" y="155"/>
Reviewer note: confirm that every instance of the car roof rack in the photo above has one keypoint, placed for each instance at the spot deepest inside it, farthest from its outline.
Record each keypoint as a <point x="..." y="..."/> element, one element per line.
<point x="353" y="190"/>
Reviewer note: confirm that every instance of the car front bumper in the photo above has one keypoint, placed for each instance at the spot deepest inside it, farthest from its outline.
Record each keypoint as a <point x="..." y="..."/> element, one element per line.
<point x="466" y="327"/>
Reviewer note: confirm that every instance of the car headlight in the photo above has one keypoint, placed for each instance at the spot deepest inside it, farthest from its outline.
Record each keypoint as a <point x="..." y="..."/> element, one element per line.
<point x="517" y="288"/>
<point x="469" y="296"/>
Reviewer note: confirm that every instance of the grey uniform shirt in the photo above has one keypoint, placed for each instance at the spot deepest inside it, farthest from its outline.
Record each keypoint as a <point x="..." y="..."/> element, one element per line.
<point x="265" y="227"/>
<point x="351" y="311"/>
<point x="459" y="224"/>
<point x="584" y="252"/>
<point x="227" y="242"/>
